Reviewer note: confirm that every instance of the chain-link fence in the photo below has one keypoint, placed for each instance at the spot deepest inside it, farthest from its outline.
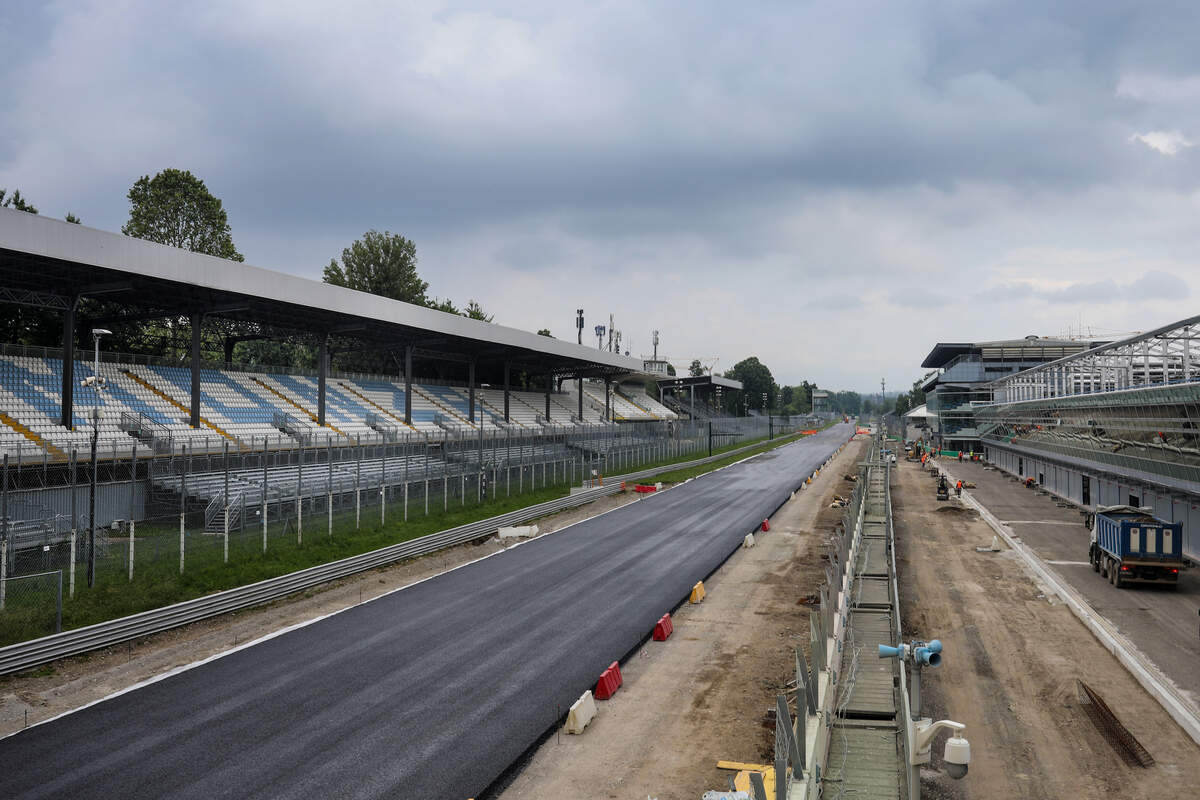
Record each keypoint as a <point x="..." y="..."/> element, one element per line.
<point x="31" y="605"/>
<point x="175" y="526"/>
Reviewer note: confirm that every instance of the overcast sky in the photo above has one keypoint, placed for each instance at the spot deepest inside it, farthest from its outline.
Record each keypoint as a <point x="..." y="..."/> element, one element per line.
<point x="832" y="187"/>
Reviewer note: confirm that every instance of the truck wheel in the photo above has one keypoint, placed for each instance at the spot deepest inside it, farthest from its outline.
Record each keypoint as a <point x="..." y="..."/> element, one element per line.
<point x="1117" y="582"/>
<point x="1095" y="562"/>
<point x="1103" y="566"/>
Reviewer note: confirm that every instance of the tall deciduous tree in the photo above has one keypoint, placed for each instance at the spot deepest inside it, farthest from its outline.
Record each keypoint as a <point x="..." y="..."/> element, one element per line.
<point x="176" y="208"/>
<point x="380" y="263"/>
<point x="756" y="380"/>
<point x="695" y="369"/>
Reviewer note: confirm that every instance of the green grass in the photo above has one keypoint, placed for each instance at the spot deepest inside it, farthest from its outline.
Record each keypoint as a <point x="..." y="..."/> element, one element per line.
<point x="157" y="581"/>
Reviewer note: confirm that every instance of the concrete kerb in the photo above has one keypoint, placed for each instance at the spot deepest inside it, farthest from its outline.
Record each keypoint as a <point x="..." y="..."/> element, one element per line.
<point x="1151" y="678"/>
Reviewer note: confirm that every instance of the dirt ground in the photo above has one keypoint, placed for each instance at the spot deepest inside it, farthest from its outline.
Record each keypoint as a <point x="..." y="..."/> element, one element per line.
<point x="1011" y="661"/>
<point x="39" y="694"/>
<point x="703" y="695"/>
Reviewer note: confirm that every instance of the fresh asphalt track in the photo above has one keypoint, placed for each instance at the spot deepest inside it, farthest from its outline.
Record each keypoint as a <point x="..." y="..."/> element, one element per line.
<point x="428" y="692"/>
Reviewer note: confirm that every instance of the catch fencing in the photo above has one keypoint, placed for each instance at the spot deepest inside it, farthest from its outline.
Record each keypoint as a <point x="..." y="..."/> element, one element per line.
<point x="173" y="523"/>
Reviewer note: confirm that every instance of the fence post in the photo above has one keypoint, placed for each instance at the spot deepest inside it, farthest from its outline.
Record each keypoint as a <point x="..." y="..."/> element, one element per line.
<point x="299" y="503"/>
<point x="183" y="502"/>
<point x="329" y="486"/>
<point x="264" y="496"/>
<point x="225" y="469"/>
<point x="58" y="606"/>
<point x="74" y="534"/>
<point x="358" y="484"/>
<point x="383" y="488"/>
<point x="132" y="502"/>
<point x="4" y="534"/>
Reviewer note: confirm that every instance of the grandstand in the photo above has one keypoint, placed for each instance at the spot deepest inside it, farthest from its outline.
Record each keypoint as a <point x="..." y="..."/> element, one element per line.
<point x="147" y="405"/>
<point x="462" y="404"/>
<point x="1112" y="425"/>
<point x="46" y="411"/>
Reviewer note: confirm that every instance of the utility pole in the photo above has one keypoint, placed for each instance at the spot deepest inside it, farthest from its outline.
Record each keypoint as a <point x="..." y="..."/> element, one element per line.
<point x="655" y="340"/>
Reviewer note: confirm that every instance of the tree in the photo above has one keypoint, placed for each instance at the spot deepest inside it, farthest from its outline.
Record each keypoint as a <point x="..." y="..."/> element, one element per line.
<point x="15" y="201"/>
<point x="175" y="208"/>
<point x="475" y="311"/>
<point x="447" y="305"/>
<point x="545" y="332"/>
<point x="380" y="263"/>
<point x="73" y="219"/>
<point x="756" y="379"/>
<point x="695" y="369"/>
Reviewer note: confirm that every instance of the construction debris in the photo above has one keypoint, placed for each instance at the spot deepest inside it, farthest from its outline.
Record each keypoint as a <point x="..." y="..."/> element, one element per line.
<point x="1124" y="742"/>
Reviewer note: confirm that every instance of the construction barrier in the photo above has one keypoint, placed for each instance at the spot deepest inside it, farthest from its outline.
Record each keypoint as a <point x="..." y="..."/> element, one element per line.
<point x="697" y="594"/>
<point x="748" y="542"/>
<point x="610" y="681"/>
<point x="663" y="628"/>
<point x="516" y="531"/>
<point x="582" y="712"/>
<point x="766" y="526"/>
<point x="643" y="489"/>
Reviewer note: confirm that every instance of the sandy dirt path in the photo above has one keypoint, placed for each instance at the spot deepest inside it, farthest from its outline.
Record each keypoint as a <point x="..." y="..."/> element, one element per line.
<point x="703" y="695"/>
<point x="1011" y="660"/>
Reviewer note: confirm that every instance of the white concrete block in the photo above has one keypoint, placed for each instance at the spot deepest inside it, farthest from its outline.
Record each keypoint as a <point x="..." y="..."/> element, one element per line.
<point x="748" y="542"/>
<point x="517" y="531"/>
<point x="581" y="713"/>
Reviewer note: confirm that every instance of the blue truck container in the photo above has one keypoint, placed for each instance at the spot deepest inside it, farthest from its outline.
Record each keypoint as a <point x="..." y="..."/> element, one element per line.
<point x="1130" y="545"/>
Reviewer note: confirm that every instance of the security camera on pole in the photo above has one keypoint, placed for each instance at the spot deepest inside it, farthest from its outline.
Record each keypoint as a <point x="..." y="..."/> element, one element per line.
<point x="920" y="731"/>
<point x="95" y="382"/>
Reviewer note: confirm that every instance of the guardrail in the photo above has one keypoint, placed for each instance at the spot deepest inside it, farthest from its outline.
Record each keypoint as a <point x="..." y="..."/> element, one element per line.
<point x="24" y="655"/>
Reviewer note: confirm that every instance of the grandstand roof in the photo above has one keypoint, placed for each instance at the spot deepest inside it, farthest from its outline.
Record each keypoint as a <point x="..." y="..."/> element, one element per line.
<point x="1029" y="348"/>
<point x="45" y="262"/>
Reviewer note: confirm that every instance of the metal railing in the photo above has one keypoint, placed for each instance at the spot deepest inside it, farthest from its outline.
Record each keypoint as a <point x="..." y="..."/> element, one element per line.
<point x="28" y="654"/>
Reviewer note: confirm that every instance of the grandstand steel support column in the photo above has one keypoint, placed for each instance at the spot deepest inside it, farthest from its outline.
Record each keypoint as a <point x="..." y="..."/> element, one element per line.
<point x="322" y="370"/>
<point x="579" y="386"/>
<point x="408" y="386"/>
<point x="68" y="364"/>
<point x="506" y="378"/>
<point x="471" y="393"/>
<point x="607" y="401"/>
<point x="549" y="383"/>
<point x="195" y="406"/>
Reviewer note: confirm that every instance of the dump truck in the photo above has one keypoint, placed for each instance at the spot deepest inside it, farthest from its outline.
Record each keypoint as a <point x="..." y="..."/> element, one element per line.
<point x="1131" y="545"/>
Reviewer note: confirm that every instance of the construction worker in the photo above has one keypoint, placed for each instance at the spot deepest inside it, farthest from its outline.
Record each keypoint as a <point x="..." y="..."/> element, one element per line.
<point x="958" y="489"/>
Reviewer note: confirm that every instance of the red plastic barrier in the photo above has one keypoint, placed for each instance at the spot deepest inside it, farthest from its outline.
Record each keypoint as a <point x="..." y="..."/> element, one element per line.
<point x="766" y="526"/>
<point x="663" y="628"/>
<point x="610" y="681"/>
<point x="642" y="489"/>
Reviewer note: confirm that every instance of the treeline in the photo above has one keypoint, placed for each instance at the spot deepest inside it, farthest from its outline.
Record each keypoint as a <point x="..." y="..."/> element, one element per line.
<point x="760" y="392"/>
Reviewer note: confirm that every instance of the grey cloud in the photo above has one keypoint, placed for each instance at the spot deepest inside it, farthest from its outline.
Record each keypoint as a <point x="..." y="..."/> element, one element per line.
<point x="1153" y="285"/>
<point x="1158" y="285"/>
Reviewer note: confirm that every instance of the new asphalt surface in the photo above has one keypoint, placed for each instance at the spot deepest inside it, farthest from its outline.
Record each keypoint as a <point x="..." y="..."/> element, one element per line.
<point x="429" y="692"/>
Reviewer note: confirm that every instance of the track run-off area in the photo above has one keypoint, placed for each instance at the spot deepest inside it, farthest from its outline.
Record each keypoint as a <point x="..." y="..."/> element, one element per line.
<point x="431" y="691"/>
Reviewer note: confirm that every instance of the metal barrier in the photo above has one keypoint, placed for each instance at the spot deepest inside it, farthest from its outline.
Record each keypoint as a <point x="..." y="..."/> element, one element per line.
<point x="24" y="655"/>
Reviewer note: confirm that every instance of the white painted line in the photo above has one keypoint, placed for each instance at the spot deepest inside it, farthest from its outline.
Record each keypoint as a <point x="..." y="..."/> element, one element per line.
<point x="1152" y="679"/>
<point x="1070" y="563"/>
